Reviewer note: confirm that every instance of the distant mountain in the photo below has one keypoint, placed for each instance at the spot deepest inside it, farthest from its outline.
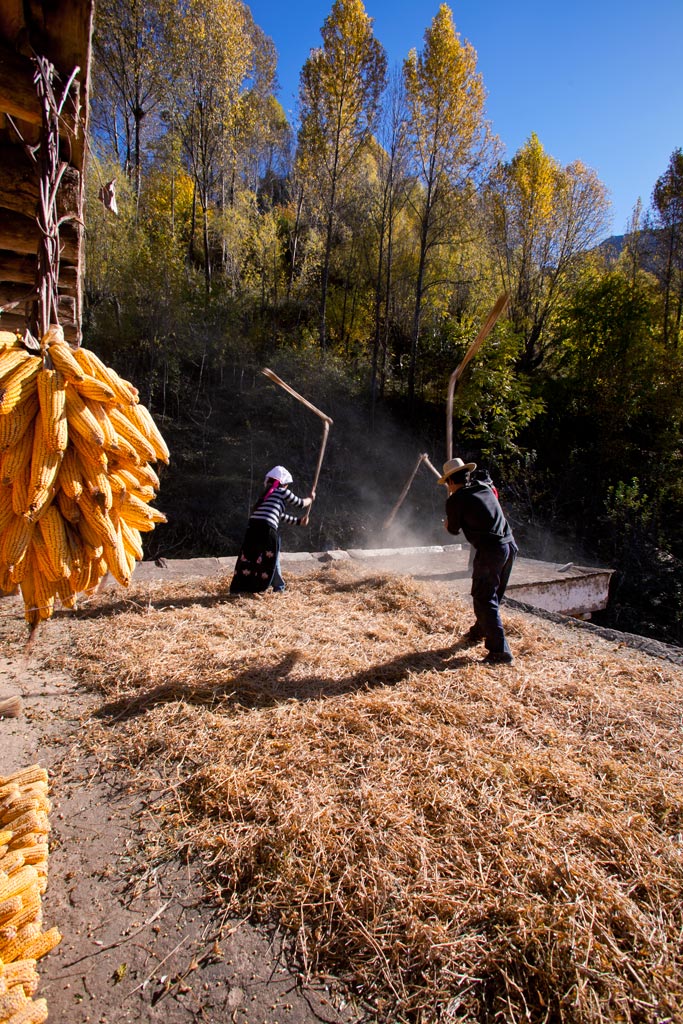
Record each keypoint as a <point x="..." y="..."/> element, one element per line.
<point x="614" y="244"/>
<point x="648" y="243"/>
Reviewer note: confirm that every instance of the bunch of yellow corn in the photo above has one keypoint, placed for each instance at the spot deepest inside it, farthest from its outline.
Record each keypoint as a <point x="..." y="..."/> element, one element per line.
<point x="75" y="473"/>
<point x="24" y="808"/>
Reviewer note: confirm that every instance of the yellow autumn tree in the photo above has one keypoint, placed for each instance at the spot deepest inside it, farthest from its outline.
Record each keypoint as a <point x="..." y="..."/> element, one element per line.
<point x="210" y="59"/>
<point x="449" y="143"/>
<point x="340" y="88"/>
<point x="544" y="217"/>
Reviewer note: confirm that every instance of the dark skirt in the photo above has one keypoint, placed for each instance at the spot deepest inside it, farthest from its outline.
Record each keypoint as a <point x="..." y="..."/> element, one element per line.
<point x="256" y="562"/>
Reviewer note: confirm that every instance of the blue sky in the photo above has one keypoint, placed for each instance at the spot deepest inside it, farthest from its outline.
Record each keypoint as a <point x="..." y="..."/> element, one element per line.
<point x="598" y="82"/>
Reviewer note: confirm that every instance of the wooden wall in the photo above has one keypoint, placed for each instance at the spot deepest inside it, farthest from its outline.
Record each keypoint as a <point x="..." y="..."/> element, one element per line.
<point x="59" y="30"/>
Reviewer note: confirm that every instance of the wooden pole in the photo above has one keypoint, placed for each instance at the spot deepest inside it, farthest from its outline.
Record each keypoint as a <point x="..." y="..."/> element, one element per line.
<point x="326" y="430"/>
<point x="433" y="468"/>
<point x="309" y="405"/>
<point x="390" y="518"/>
<point x="327" y="420"/>
<point x="499" y="305"/>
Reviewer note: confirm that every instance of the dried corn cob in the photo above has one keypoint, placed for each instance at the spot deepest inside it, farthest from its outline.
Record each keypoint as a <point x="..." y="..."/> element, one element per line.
<point x="10" y="907"/>
<point x="37" y="946"/>
<point x="19" y="385"/>
<point x="10" y="359"/>
<point x="63" y="359"/>
<point x="51" y="526"/>
<point x="35" y="1012"/>
<point x="81" y="418"/>
<point x="45" y="464"/>
<point x="14" y="425"/>
<point x="21" y="972"/>
<point x="69" y="476"/>
<point x="52" y="400"/>
<point x="127" y="430"/>
<point x="16" y="540"/>
<point x="96" y="390"/>
<point x="16" y="458"/>
<point x="32" y="776"/>
<point x="18" y="882"/>
<point x="12" y="1002"/>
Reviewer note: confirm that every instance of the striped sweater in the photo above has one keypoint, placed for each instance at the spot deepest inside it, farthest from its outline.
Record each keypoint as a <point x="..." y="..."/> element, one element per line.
<point x="273" y="508"/>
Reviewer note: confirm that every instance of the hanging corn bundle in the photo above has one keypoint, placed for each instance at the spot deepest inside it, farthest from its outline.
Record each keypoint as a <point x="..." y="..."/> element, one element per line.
<point x="75" y="443"/>
<point x="75" y="476"/>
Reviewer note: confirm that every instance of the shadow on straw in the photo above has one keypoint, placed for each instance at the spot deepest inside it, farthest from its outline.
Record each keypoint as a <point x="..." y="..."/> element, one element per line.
<point x="268" y="685"/>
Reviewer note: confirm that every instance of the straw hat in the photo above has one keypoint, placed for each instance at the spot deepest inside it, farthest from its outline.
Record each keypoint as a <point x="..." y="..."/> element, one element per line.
<point x="455" y="466"/>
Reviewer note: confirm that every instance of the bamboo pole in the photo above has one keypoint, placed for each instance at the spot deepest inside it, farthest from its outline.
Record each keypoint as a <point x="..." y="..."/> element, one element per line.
<point x="327" y="420"/>
<point x="498" y="307"/>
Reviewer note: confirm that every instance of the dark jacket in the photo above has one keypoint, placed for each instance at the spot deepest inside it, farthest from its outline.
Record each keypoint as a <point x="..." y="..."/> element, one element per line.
<point x="475" y="510"/>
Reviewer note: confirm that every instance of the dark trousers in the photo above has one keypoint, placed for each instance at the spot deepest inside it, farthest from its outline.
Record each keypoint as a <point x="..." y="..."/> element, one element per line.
<point x="490" y="574"/>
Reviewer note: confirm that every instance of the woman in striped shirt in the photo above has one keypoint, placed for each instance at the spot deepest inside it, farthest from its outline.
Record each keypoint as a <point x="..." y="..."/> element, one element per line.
<point x="258" y="563"/>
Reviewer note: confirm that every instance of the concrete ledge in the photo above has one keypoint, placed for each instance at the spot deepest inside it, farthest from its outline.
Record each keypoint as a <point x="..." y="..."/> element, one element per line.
<point x="297" y="556"/>
<point x="434" y="549"/>
<point x="585" y="592"/>
<point x="179" y="568"/>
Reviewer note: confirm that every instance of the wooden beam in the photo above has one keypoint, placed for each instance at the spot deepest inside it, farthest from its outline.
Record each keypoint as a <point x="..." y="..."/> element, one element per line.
<point x="20" y="234"/>
<point x="21" y="271"/>
<point x="19" y="185"/>
<point x="18" y="95"/>
<point x="16" y="321"/>
<point x="59" y="30"/>
<point x="11" y="292"/>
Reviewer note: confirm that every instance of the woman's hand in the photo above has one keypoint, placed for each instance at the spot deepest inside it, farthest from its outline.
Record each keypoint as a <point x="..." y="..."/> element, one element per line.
<point x="304" y="520"/>
<point x="307" y="501"/>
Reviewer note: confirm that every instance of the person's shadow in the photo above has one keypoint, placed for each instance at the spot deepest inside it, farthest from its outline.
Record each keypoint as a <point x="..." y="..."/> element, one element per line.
<point x="266" y="685"/>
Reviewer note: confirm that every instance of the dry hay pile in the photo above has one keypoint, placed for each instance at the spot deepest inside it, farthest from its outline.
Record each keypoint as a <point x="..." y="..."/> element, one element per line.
<point x="457" y="842"/>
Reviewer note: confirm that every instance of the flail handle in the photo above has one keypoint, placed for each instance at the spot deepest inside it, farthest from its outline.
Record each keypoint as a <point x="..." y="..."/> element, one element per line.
<point x="498" y="308"/>
<point x="327" y="420"/>
<point x="309" y="405"/>
<point x="390" y="518"/>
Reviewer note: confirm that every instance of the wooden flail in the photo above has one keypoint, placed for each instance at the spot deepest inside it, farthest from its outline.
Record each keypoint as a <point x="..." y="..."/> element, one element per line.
<point x="500" y="304"/>
<point x="327" y="421"/>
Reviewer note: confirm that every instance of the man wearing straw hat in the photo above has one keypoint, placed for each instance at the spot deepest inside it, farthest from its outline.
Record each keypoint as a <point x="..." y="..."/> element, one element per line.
<point x="472" y="507"/>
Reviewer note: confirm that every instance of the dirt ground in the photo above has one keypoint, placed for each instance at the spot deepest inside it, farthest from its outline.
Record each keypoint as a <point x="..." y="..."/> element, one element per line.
<point x="138" y="944"/>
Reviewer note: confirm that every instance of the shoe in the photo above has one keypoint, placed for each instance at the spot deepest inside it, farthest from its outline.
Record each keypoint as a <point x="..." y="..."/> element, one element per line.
<point x="472" y="637"/>
<point x="498" y="658"/>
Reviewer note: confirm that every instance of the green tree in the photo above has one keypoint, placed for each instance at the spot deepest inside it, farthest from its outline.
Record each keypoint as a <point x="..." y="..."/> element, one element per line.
<point x="448" y="140"/>
<point x="667" y="200"/>
<point x="340" y="88"/>
<point x="390" y="196"/>
<point x="543" y="219"/>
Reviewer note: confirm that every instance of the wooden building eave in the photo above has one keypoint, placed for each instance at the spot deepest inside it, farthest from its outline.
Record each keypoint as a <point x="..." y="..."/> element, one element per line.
<point x="60" y="31"/>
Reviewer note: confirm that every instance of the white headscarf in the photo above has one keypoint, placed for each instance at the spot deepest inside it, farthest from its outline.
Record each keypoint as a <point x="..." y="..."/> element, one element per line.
<point x="278" y="473"/>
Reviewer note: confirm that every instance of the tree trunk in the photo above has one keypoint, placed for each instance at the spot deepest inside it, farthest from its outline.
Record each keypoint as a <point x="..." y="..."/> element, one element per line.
<point x="419" y="287"/>
<point x="295" y="243"/>
<point x="207" y="252"/>
<point x="325" y="282"/>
